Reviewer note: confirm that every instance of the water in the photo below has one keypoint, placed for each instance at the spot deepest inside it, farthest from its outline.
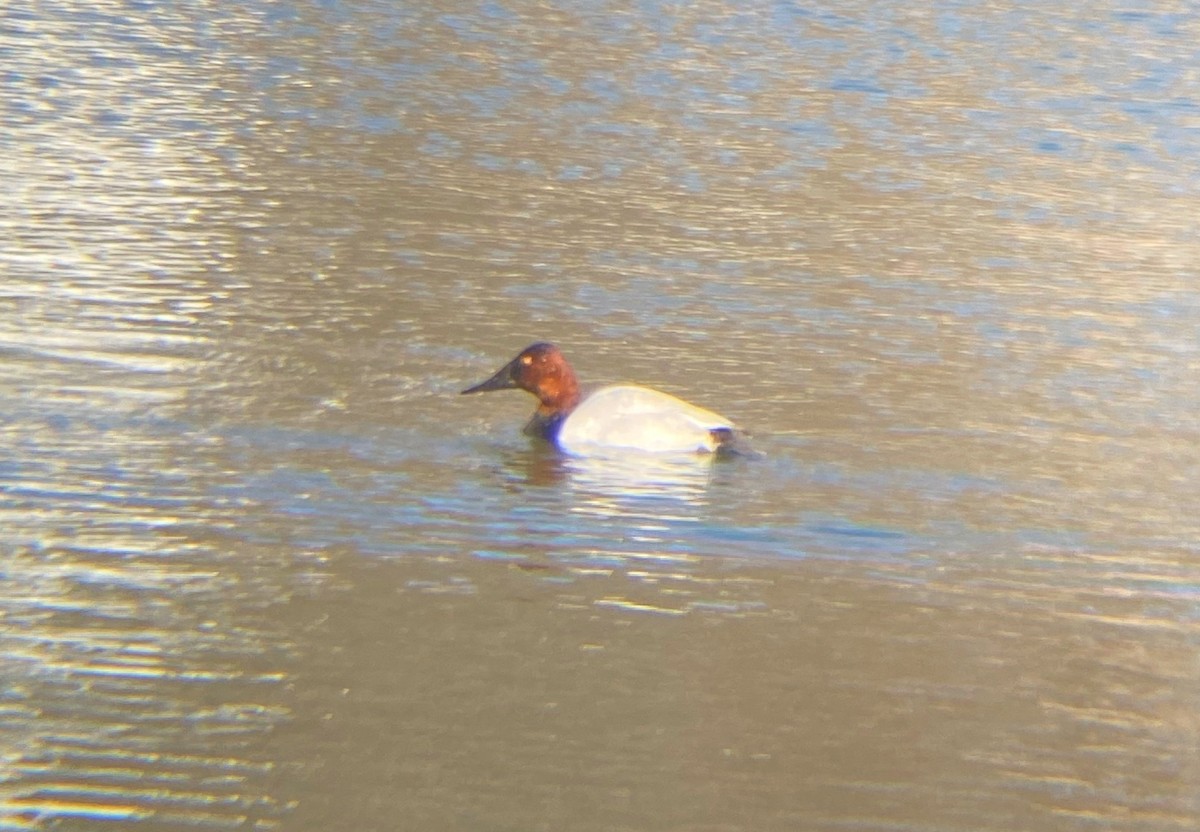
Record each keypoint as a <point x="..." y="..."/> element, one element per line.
<point x="263" y="568"/>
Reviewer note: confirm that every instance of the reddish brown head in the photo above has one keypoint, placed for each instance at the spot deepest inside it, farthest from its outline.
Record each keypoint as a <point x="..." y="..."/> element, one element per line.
<point x="541" y="370"/>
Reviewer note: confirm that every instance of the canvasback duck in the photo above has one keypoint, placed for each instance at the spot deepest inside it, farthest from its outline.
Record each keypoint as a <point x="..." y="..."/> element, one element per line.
<point x="621" y="417"/>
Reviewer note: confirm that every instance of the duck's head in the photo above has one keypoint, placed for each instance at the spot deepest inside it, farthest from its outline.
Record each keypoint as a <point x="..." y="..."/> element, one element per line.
<point x="542" y="370"/>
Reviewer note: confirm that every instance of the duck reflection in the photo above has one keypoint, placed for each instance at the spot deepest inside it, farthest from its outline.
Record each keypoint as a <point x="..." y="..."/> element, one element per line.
<point x="609" y="482"/>
<point x="684" y="478"/>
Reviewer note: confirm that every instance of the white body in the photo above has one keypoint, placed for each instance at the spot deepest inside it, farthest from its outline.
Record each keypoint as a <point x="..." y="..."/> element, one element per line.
<point x="638" y="418"/>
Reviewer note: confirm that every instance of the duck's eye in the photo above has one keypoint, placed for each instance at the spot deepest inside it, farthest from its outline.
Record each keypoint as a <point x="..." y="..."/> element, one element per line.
<point x="526" y="360"/>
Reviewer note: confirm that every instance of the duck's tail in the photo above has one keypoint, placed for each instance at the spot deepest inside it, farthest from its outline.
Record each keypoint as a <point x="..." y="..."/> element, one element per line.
<point x="733" y="442"/>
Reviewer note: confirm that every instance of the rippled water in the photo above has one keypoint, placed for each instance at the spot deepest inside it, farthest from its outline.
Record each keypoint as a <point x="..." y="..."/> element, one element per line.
<point x="263" y="568"/>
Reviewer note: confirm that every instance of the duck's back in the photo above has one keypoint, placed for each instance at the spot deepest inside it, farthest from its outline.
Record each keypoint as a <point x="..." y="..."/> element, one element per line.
<point x="642" y="419"/>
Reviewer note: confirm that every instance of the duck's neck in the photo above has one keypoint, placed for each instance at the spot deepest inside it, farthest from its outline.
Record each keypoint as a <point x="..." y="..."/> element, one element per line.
<point x="557" y="398"/>
<point x="546" y="426"/>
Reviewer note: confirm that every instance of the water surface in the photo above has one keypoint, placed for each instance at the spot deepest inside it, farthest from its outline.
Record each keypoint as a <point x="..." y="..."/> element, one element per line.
<point x="263" y="568"/>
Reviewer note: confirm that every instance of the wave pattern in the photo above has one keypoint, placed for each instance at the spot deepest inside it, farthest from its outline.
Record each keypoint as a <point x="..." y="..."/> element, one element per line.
<point x="135" y="685"/>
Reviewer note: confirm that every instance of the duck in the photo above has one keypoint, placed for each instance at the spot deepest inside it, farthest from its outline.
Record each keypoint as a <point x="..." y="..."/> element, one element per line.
<point x="620" y="417"/>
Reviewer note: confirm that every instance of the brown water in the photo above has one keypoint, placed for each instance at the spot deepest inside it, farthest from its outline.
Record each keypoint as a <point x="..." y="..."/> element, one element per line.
<point x="262" y="567"/>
